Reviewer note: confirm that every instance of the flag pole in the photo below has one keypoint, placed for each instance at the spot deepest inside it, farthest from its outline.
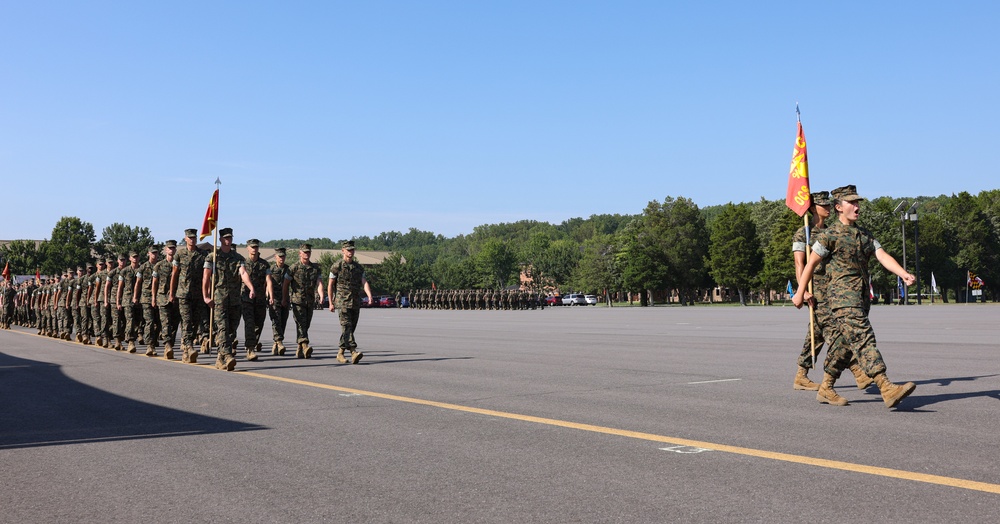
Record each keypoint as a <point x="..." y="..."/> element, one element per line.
<point x="805" y="222"/>
<point x="215" y="258"/>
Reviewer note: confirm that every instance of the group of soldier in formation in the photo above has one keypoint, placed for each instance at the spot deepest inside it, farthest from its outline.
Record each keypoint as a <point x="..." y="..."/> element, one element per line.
<point x="481" y="299"/>
<point x="840" y="298"/>
<point x="119" y="303"/>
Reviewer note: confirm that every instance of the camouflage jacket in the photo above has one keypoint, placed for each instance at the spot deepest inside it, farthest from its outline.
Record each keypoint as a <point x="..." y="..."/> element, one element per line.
<point x="277" y="277"/>
<point x="820" y="279"/>
<point x="162" y="271"/>
<point x="145" y="277"/>
<point x="847" y="250"/>
<point x="192" y="267"/>
<point x="102" y="278"/>
<point x="258" y="272"/>
<point x="126" y="277"/>
<point x="227" y="274"/>
<point x="349" y="277"/>
<point x="302" y="282"/>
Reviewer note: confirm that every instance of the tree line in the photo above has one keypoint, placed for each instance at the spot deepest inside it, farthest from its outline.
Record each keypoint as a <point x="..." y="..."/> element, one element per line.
<point x="672" y="246"/>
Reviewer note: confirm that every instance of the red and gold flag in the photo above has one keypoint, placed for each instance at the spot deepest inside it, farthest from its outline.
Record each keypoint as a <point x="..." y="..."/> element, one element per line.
<point x="211" y="216"/>
<point x="6" y="271"/>
<point x="797" y="198"/>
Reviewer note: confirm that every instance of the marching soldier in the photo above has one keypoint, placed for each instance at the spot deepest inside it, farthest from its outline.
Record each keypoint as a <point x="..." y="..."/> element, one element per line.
<point x="276" y="310"/>
<point x="229" y="268"/>
<point x="166" y="302"/>
<point x="255" y="305"/>
<point x="303" y="282"/>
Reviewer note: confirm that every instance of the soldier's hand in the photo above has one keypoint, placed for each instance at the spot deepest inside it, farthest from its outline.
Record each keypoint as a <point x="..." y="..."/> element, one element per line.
<point x="797" y="300"/>
<point x="909" y="279"/>
<point x="251" y="293"/>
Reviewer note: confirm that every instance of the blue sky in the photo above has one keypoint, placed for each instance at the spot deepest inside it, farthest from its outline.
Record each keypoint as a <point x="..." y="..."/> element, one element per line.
<point x="339" y="119"/>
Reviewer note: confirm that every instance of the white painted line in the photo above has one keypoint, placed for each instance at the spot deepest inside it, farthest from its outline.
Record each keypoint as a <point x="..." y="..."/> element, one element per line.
<point x="349" y="394"/>
<point x="711" y="381"/>
<point x="684" y="449"/>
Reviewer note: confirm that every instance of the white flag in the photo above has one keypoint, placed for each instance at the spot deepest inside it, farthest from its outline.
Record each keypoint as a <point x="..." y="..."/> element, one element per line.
<point x="933" y="283"/>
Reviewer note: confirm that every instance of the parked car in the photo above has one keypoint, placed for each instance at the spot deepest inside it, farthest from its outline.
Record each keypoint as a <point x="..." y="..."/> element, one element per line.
<point x="591" y="299"/>
<point x="574" y="299"/>
<point x="553" y="300"/>
<point x="386" y="301"/>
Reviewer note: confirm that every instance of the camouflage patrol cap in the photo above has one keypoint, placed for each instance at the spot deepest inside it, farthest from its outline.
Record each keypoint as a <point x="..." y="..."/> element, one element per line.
<point x="348" y="244"/>
<point x="306" y="247"/>
<point x="253" y="242"/>
<point x="280" y="252"/>
<point x="90" y="265"/>
<point x="133" y="253"/>
<point x="122" y="256"/>
<point x="846" y="193"/>
<point x="170" y="243"/>
<point x="226" y="232"/>
<point x="100" y="262"/>
<point x="153" y="249"/>
<point x="79" y="268"/>
<point x="191" y="233"/>
<point x="821" y="198"/>
<point x="110" y="259"/>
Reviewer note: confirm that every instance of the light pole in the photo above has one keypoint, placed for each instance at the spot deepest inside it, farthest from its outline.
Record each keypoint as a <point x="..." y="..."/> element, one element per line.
<point x="901" y="209"/>
<point x="912" y="212"/>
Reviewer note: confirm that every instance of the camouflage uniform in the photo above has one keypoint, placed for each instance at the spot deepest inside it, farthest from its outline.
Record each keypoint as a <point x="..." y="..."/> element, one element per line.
<point x="97" y="304"/>
<point x="349" y="278"/>
<point x="124" y="295"/>
<point x="277" y="311"/>
<point x="144" y="277"/>
<point x="255" y="309"/>
<point x="822" y="308"/>
<point x="302" y="281"/>
<point x="190" y="264"/>
<point x="227" y="298"/>
<point x="169" y="314"/>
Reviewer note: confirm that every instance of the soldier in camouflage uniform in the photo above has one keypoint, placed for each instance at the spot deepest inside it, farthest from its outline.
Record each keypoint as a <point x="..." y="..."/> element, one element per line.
<point x="303" y="282"/>
<point x="819" y="210"/>
<point x="114" y="303"/>
<point x="276" y="310"/>
<point x="126" y="301"/>
<point x="185" y="281"/>
<point x="143" y="295"/>
<point x="347" y="280"/>
<point x="9" y="296"/>
<point x="97" y="301"/>
<point x="166" y="302"/>
<point x="110" y="278"/>
<point x="846" y="249"/>
<point x="230" y="269"/>
<point x="255" y="309"/>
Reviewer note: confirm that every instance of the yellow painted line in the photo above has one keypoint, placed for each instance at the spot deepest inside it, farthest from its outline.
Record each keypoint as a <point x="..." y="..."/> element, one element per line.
<point x="784" y="457"/>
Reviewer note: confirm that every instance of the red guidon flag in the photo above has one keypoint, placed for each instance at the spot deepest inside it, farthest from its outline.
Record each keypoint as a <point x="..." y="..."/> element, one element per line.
<point x="797" y="198"/>
<point x="6" y="271"/>
<point x="211" y="216"/>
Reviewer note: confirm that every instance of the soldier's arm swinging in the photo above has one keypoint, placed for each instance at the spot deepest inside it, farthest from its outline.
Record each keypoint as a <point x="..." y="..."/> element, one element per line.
<point x="890" y="263"/>
<point x="807" y="273"/>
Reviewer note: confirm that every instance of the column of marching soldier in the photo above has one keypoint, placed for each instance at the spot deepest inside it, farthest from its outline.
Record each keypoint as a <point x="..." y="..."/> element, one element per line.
<point x="480" y="299"/>
<point x="119" y="303"/>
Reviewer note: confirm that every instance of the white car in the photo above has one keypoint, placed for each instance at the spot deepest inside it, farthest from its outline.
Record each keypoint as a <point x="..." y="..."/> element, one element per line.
<point x="591" y="299"/>
<point x="574" y="299"/>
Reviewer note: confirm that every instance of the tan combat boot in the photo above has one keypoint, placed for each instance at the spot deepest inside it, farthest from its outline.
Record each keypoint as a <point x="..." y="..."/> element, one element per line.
<point x="340" y="356"/>
<point x="298" y="351"/>
<point x="185" y="353"/>
<point x="893" y="393"/>
<point x="826" y="394"/>
<point x="150" y="351"/>
<point x="205" y="347"/>
<point x="227" y="363"/>
<point x="251" y="355"/>
<point x="356" y="356"/>
<point x="281" y="348"/>
<point x="131" y="346"/>
<point x="86" y="340"/>
<point x="168" y="351"/>
<point x="274" y="349"/>
<point x="802" y="382"/>
<point x="859" y="375"/>
<point x="307" y="350"/>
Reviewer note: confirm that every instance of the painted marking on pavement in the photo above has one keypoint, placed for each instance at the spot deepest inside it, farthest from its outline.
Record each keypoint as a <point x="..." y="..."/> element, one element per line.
<point x="713" y="381"/>
<point x="675" y="441"/>
<point x="684" y="449"/>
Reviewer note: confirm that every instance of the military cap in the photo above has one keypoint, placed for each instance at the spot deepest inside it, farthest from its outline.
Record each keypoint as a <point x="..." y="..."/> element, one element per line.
<point x="170" y="243"/>
<point x="133" y="253"/>
<point x="821" y="198"/>
<point x="79" y="268"/>
<point x="846" y="193"/>
<point x="191" y="233"/>
<point x="226" y="232"/>
<point x="100" y="261"/>
<point x="253" y="242"/>
<point x="348" y="244"/>
<point x="280" y="252"/>
<point x="153" y="249"/>
<point x="110" y="259"/>
<point x="306" y="247"/>
<point x="122" y="256"/>
<point x="90" y="265"/>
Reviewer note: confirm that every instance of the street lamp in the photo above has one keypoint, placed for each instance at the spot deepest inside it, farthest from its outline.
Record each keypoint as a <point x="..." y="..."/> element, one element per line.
<point x="901" y="209"/>
<point x="912" y="212"/>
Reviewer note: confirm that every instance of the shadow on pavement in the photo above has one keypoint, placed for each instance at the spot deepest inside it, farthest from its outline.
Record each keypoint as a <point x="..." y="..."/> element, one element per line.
<point x="43" y="407"/>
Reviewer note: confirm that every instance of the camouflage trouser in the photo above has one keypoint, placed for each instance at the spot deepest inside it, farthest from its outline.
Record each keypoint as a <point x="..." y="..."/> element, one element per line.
<point x="86" y="323"/>
<point x="169" y="318"/>
<point x="348" y="323"/>
<point x="131" y="325"/>
<point x="78" y="321"/>
<point x="822" y="318"/>
<point x="118" y="322"/>
<point x="254" y="315"/>
<point x="150" y="334"/>
<point x="107" y="327"/>
<point x="279" y="319"/>
<point x="65" y="320"/>
<point x="857" y="340"/>
<point x="227" y="323"/>
<point x="97" y="319"/>
<point x="194" y="318"/>
<point x="303" y="319"/>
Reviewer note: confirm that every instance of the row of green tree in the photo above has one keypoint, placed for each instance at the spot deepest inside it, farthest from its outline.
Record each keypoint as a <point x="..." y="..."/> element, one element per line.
<point x="672" y="245"/>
